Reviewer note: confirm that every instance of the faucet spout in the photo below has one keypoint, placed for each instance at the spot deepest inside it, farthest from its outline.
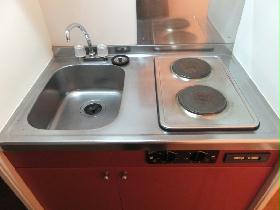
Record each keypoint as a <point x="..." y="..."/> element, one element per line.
<point x="67" y="35"/>
<point x="85" y="33"/>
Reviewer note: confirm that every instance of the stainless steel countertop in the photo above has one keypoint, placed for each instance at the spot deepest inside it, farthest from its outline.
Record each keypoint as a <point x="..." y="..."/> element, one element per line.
<point x="136" y="126"/>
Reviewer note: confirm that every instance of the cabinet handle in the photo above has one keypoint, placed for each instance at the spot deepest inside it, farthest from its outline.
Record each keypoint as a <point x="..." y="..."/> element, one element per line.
<point x="106" y="176"/>
<point x="124" y="175"/>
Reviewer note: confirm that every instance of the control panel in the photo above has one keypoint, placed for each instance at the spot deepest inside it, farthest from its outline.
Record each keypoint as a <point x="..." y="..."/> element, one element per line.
<point x="170" y="157"/>
<point x="246" y="157"/>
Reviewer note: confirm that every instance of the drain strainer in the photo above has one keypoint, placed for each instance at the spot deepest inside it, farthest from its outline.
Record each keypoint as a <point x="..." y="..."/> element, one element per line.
<point x="92" y="108"/>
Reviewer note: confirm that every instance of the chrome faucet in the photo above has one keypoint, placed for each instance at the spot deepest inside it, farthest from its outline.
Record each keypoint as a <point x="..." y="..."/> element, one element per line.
<point x="85" y="33"/>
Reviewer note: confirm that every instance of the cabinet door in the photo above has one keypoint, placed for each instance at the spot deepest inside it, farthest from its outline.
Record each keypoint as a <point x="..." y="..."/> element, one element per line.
<point x="191" y="188"/>
<point x="69" y="188"/>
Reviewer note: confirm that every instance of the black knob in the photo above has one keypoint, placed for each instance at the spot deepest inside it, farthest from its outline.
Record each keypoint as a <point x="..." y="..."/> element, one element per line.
<point x="171" y="156"/>
<point x="156" y="157"/>
<point x="198" y="156"/>
<point x="161" y="157"/>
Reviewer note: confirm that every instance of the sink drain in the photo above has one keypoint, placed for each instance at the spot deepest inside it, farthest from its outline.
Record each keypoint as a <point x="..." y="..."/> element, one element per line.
<point x="93" y="109"/>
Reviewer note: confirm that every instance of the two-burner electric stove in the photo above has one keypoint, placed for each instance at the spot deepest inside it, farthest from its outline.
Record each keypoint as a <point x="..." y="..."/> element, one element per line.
<point x="197" y="93"/>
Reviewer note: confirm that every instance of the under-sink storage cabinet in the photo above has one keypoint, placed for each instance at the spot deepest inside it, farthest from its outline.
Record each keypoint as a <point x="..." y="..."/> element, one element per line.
<point x="87" y="180"/>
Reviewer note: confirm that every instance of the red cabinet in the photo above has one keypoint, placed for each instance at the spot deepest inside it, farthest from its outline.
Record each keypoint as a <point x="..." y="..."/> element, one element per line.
<point x="73" y="188"/>
<point x="191" y="188"/>
<point x="123" y="180"/>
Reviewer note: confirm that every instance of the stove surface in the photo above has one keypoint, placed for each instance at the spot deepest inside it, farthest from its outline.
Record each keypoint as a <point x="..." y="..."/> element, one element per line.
<point x="212" y="102"/>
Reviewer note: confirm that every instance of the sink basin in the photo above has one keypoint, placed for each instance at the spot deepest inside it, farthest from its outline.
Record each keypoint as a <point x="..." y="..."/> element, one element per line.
<point x="79" y="97"/>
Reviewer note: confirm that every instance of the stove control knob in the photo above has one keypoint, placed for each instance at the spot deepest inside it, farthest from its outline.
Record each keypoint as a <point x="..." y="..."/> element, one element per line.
<point x="161" y="157"/>
<point x="171" y="156"/>
<point x="198" y="156"/>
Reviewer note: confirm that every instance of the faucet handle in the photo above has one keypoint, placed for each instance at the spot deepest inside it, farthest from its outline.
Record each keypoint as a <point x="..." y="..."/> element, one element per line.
<point x="80" y="51"/>
<point x="102" y="50"/>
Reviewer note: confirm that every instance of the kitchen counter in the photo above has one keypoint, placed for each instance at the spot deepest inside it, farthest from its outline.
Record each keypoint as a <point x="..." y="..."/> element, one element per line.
<point x="38" y="155"/>
<point x="136" y="126"/>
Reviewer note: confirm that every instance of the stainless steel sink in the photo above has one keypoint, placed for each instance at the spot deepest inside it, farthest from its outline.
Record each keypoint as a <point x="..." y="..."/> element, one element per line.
<point x="79" y="97"/>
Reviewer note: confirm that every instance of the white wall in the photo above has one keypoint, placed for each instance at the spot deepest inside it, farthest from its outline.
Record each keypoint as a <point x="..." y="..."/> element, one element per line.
<point x="25" y="52"/>
<point x="257" y="47"/>
<point x="108" y="21"/>
<point x="225" y="16"/>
